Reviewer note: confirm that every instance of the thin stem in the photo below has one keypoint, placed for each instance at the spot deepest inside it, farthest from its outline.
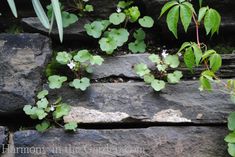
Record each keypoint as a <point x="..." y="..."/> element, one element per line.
<point x="197" y="30"/>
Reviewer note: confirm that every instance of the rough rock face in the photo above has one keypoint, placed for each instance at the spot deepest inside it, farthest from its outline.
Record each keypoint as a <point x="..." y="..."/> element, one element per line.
<point x="3" y="137"/>
<point x="74" y="32"/>
<point x="103" y="8"/>
<point x="123" y="66"/>
<point x="137" y="102"/>
<point x="154" y="142"/>
<point x="22" y="59"/>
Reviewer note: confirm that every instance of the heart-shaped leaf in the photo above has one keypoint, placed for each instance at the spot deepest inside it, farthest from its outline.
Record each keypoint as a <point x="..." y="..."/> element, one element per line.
<point x="158" y="85"/>
<point x="81" y="84"/>
<point x="146" y="22"/>
<point x="117" y="18"/>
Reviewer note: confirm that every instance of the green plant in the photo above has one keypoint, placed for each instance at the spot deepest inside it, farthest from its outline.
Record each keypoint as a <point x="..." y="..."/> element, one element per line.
<point x="67" y="18"/>
<point x="156" y="77"/>
<point x="42" y="15"/>
<point x="49" y="114"/>
<point x="81" y="6"/>
<point x="110" y="37"/>
<point x="80" y="63"/>
<point x="196" y="54"/>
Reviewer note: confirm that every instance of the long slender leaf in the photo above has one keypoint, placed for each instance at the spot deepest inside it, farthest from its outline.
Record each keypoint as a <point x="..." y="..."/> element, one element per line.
<point x="172" y="20"/>
<point x="41" y="13"/>
<point x="13" y="7"/>
<point x="58" y="17"/>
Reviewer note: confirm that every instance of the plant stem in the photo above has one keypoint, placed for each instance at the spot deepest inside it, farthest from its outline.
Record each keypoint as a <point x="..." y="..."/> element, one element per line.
<point x="197" y="30"/>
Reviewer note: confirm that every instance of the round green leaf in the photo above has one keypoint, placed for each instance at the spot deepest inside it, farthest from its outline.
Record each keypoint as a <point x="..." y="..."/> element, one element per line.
<point x="94" y="29"/>
<point x="68" y="18"/>
<point x="43" y="103"/>
<point x="56" y="81"/>
<point x="108" y="45"/>
<point x="155" y="58"/>
<point x="137" y="46"/>
<point x="96" y="60"/>
<point x="158" y="85"/>
<point x="148" y="78"/>
<point x="61" y="110"/>
<point x="82" y="56"/>
<point x="120" y="36"/>
<point x="81" y="84"/>
<point x="139" y="34"/>
<point x="174" y="77"/>
<point x="43" y="126"/>
<point x="117" y="18"/>
<point x="63" y="57"/>
<point x="146" y="22"/>
<point x="133" y="13"/>
<point x="141" y="69"/>
<point x="172" y="61"/>
<point x="42" y="94"/>
<point x="71" y="126"/>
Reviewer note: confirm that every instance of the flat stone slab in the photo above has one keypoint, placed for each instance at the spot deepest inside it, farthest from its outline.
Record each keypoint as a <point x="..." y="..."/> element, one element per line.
<point x="74" y="32"/>
<point x="22" y="60"/>
<point x="154" y="142"/>
<point x="138" y="103"/>
<point x="3" y="138"/>
<point x="123" y="66"/>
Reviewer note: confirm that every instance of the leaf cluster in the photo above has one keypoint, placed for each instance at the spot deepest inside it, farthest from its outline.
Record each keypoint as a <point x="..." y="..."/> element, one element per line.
<point x="48" y="113"/>
<point x="158" y="77"/>
<point x="110" y="37"/>
<point x="184" y="10"/>
<point x="79" y="63"/>
<point x="194" y="56"/>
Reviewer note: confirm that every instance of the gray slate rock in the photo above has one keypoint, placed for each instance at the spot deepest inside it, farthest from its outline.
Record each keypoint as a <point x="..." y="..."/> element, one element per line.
<point x="150" y="142"/>
<point x="3" y="138"/>
<point x="74" y="32"/>
<point x="137" y="102"/>
<point x="22" y="60"/>
<point x="123" y="66"/>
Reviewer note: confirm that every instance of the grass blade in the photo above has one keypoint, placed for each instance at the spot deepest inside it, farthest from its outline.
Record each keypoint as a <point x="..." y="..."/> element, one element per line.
<point x="13" y="7"/>
<point x="41" y="13"/>
<point x="58" y="17"/>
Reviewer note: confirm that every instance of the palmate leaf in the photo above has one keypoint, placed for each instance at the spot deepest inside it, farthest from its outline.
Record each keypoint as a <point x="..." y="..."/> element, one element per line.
<point x="58" y="17"/>
<point x="12" y="5"/>
<point x="41" y="13"/>
<point x="172" y="20"/>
